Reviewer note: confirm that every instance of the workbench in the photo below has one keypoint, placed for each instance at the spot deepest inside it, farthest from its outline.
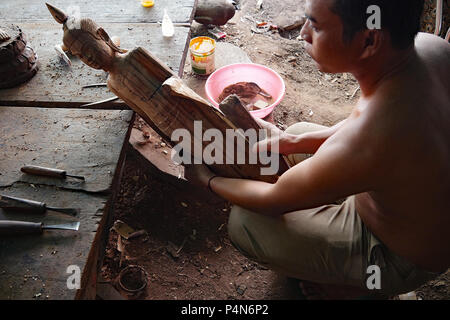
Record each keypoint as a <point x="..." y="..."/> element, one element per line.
<point x="42" y="123"/>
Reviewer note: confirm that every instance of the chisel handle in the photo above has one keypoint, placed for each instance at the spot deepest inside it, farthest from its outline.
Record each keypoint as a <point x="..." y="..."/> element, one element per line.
<point x="42" y="171"/>
<point x="10" y="228"/>
<point x="14" y="203"/>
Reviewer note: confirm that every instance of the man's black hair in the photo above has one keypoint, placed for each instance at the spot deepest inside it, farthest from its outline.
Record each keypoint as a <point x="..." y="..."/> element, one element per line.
<point x="400" y="17"/>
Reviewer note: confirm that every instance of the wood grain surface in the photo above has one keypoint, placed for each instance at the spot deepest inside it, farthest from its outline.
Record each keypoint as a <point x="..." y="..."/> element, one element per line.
<point x="57" y="85"/>
<point x="117" y="11"/>
<point x="82" y="142"/>
<point x="35" y="266"/>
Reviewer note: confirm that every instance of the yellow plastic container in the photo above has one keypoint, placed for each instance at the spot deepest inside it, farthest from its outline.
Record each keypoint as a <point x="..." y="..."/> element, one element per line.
<point x="202" y="51"/>
<point x="147" y="3"/>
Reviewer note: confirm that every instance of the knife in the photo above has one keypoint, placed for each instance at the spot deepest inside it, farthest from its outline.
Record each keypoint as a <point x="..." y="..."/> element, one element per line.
<point x="10" y="227"/>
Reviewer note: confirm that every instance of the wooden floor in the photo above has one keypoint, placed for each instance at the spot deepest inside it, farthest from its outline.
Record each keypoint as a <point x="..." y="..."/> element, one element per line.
<point x="41" y="124"/>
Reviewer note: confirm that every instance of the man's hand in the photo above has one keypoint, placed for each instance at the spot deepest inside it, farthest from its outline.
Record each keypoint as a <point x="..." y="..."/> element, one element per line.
<point x="308" y="142"/>
<point x="198" y="174"/>
<point x="274" y="136"/>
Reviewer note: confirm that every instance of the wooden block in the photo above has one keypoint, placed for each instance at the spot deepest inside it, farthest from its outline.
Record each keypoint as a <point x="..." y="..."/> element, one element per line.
<point x="241" y="118"/>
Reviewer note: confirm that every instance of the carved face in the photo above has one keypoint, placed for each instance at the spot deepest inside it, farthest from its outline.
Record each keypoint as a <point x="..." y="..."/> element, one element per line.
<point x="92" y="51"/>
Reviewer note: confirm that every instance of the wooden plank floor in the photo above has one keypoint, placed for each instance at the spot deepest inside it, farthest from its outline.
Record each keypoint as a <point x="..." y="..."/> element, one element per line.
<point x="35" y="266"/>
<point x="83" y="142"/>
<point x="57" y="85"/>
<point x="89" y="142"/>
<point x="118" y="11"/>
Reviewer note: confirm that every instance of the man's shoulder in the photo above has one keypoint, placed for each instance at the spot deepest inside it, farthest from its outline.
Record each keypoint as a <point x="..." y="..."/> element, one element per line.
<point x="423" y="39"/>
<point x="429" y="46"/>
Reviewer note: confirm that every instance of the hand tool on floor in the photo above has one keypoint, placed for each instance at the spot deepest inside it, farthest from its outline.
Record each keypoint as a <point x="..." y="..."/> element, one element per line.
<point x="14" y="203"/>
<point x="99" y="103"/>
<point x="10" y="227"/>
<point x="101" y="84"/>
<point x="48" y="172"/>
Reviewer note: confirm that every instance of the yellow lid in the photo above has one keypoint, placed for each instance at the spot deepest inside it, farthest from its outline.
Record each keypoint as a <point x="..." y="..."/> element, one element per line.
<point x="147" y="3"/>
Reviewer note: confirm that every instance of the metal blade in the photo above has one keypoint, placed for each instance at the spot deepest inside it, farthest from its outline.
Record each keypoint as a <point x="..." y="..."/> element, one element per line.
<point x="64" y="226"/>
<point x="76" y="177"/>
<point x="70" y="211"/>
<point x="98" y="103"/>
<point x="102" y="84"/>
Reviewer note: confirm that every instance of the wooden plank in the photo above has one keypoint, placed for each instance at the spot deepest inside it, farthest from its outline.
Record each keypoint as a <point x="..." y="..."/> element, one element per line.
<point x="84" y="249"/>
<point x="159" y="156"/>
<point x="48" y="127"/>
<point x="241" y="118"/>
<point x="84" y="142"/>
<point x="37" y="264"/>
<point x="94" y="262"/>
<point x="56" y="85"/>
<point x="117" y="11"/>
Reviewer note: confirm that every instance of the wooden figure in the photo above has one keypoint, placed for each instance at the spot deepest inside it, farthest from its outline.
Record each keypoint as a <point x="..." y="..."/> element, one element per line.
<point x="154" y="91"/>
<point x="18" y="61"/>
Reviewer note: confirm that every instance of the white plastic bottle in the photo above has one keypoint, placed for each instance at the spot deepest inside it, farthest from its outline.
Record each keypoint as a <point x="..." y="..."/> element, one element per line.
<point x="167" y="25"/>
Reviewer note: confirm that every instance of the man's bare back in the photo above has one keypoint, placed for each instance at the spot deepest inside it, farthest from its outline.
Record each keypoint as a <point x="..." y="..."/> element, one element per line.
<point x="406" y="126"/>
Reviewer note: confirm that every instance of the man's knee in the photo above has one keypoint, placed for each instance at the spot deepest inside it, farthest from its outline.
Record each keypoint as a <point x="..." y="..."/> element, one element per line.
<point x="303" y="127"/>
<point x="239" y="234"/>
<point x="236" y="229"/>
<point x="298" y="129"/>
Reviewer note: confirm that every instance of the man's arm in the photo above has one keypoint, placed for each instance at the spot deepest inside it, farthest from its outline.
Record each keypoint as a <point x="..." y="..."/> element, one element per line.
<point x="340" y="168"/>
<point x="289" y="144"/>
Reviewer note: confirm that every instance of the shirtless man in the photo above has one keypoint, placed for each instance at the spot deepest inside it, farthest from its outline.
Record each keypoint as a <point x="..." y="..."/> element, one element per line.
<point x="390" y="159"/>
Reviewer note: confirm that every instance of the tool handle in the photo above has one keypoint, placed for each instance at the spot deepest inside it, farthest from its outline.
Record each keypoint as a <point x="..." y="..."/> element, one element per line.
<point x="42" y="171"/>
<point x="14" y="203"/>
<point x="8" y="228"/>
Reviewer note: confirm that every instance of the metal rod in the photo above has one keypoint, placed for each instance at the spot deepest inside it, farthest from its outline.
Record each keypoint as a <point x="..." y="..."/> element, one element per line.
<point x="439" y="10"/>
<point x="102" y="84"/>
<point x="99" y="102"/>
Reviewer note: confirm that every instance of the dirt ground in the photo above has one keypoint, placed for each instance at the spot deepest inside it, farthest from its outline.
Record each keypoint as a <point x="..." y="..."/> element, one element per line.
<point x="186" y="252"/>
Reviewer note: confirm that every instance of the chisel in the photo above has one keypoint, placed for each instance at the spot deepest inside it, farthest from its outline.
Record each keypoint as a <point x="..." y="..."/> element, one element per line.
<point x="48" y="172"/>
<point x="9" y="227"/>
<point x="14" y="203"/>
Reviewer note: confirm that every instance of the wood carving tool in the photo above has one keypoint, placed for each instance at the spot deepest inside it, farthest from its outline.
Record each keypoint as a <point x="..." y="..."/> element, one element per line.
<point x="14" y="203"/>
<point x="48" y="172"/>
<point x="99" y="103"/>
<point x="101" y="84"/>
<point x="10" y="227"/>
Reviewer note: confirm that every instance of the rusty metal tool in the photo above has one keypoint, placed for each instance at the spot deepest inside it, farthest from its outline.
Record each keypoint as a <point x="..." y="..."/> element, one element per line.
<point x="48" y="172"/>
<point x="101" y="84"/>
<point x="99" y="103"/>
<point x="11" y="227"/>
<point x="14" y="203"/>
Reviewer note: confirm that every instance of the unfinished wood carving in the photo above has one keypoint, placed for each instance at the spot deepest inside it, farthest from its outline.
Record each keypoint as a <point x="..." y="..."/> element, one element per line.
<point x="18" y="61"/>
<point x="4" y="36"/>
<point x="152" y="90"/>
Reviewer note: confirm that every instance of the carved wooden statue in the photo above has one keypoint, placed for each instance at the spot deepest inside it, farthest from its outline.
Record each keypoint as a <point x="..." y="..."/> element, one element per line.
<point x="152" y="90"/>
<point x="18" y="61"/>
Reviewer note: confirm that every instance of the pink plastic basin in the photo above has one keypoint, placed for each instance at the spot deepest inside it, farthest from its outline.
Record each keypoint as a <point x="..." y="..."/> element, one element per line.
<point x="264" y="77"/>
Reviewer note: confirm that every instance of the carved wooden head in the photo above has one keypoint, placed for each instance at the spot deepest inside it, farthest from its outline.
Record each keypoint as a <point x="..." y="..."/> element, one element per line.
<point x="85" y="39"/>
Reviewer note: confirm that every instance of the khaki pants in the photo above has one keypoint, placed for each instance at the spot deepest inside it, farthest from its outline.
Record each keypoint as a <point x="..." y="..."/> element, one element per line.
<point x="329" y="244"/>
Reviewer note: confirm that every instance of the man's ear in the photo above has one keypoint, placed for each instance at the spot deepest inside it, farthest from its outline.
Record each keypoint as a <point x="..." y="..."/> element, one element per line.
<point x="373" y="41"/>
